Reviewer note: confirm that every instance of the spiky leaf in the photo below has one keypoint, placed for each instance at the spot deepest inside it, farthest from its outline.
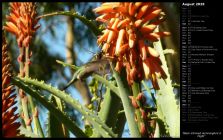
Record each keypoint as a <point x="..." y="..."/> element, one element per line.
<point x="72" y="126"/>
<point x="56" y="129"/>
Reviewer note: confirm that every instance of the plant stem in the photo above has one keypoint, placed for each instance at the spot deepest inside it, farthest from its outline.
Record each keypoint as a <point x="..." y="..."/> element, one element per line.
<point x="21" y="92"/>
<point x="135" y="89"/>
<point x="128" y="108"/>
<point x="27" y="61"/>
<point x="37" y="126"/>
<point x="140" y="120"/>
<point x="35" y="117"/>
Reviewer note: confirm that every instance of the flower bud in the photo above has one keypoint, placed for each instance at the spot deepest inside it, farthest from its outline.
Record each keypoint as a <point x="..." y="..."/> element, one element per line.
<point x="134" y="103"/>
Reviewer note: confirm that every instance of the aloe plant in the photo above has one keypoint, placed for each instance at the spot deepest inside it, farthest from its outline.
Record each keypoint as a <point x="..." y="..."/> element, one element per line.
<point x="128" y="61"/>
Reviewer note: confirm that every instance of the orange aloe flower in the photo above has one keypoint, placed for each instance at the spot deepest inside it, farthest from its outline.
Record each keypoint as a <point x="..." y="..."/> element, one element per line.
<point x="9" y="126"/>
<point x="22" y="22"/>
<point x="128" y="26"/>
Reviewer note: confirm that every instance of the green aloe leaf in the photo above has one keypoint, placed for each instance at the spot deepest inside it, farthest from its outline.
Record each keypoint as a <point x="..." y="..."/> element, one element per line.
<point x="102" y="128"/>
<point x="72" y="126"/>
<point x="109" y="107"/>
<point x="168" y="108"/>
<point x="27" y="133"/>
<point x="56" y="129"/>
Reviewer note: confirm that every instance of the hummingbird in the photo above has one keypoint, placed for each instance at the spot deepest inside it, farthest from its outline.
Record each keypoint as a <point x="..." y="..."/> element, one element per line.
<point x="97" y="65"/>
